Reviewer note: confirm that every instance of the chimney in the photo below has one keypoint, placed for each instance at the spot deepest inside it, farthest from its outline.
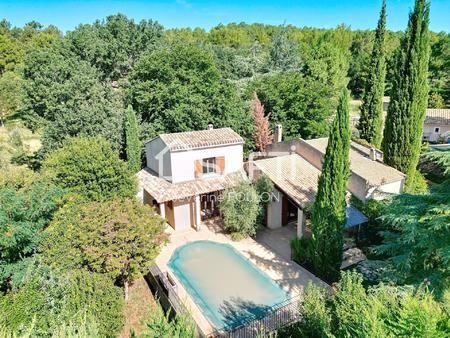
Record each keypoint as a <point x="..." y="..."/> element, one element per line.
<point x="210" y="126"/>
<point x="278" y="135"/>
<point x="373" y="154"/>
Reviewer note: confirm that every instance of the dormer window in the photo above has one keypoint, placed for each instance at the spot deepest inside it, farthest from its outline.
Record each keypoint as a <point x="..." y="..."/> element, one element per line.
<point x="209" y="165"/>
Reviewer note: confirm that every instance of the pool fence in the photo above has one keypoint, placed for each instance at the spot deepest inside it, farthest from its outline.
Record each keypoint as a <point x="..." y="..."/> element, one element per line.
<point x="278" y="316"/>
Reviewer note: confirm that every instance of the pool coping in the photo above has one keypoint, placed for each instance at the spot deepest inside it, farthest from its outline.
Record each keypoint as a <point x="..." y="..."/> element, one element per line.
<point x="290" y="276"/>
<point x="199" y="299"/>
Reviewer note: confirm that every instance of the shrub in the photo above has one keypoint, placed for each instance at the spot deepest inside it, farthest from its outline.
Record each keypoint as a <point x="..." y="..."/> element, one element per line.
<point x="382" y="311"/>
<point x="27" y="206"/>
<point x="49" y="300"/>
<point x="264" y="188"/>
<point x="89" y="167"/>
<point x="301" y="250"/>
<point x="159" y="325"/>
<point x="316" y="314"/>
<point x="240" y="206"/>
<point x="416" y="183"/>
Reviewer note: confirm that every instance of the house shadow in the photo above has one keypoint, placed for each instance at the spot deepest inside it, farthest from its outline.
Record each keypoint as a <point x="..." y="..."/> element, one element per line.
<point x="237" y="311"/>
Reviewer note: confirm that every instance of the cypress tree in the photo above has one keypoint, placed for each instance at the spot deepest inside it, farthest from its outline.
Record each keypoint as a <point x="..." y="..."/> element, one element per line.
<point x="371" y="120"/>
<point x="133" y="144"/>
<point x="406" y="113"/>
<point x="328" y="217"/>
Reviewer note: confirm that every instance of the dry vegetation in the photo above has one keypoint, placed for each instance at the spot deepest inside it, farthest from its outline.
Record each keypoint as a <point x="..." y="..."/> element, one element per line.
<point x="138" y="308"/>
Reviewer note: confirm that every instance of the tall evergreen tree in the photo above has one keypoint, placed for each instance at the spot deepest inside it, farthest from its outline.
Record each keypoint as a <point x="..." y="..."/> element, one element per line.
<point x="328" y="217"/>
<point x="133" y="144"/>
<point x="371" y="121"/>
<point x="409" y="95"/>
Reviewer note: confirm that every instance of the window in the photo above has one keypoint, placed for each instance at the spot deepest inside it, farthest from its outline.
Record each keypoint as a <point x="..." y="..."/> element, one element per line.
<point x="437" y="130"/>
<point x="209" y="165"/>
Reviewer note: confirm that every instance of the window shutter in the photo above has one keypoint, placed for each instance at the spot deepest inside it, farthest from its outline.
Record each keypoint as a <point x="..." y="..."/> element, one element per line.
<point x="198" y="168"/>
<point x="220" y="163"/>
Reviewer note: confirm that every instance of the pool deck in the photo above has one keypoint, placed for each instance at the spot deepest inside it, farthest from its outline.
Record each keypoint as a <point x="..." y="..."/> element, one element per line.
<point x="265" y="252"/>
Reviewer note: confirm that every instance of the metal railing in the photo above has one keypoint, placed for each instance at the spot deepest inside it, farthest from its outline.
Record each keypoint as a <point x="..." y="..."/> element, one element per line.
<point x="280" y="315"/>
<point x="276" y="317"/>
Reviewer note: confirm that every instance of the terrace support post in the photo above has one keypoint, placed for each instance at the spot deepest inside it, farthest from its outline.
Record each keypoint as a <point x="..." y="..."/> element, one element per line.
<point x="162" y="210"/>
<point x="300" y="223"/>
<point x="197" y="212"/>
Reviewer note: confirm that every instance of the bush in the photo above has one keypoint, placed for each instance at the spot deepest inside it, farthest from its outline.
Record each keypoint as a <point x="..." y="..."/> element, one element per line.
<point x="89" y="167"/>
<point x="382" y="311"/>
<point x="301" y="250"/>
<point x="48" y="300"/>
<point x="264" y="188"/>
<point x="240" y="207"/>
<point x="27" y="206"/>
<point x="416" y="183"/>
<point x="316" y="314"/>
<point x="159" y="325"/>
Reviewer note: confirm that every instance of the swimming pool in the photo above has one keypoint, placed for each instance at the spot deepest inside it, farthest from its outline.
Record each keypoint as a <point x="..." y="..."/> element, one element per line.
<point x="228" y="288"/>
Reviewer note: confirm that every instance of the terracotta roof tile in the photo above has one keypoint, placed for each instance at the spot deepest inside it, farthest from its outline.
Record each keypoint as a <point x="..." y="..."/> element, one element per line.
<point x="295" y="176"/>
<point x="200" y="139"/>
<point x="374" y="172"/>
<point x="163" y="190"/>
<point x="438" y="116"/>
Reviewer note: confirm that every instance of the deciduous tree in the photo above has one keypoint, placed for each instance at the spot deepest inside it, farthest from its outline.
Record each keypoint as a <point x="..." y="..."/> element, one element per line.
<point x="117" y="238"/>
<point x="262" y="135"/>
<point x="132" y="141"/>
<point x="11" y="94"/>
<point x="27" y="205"/>
<point x="88" y="167"/>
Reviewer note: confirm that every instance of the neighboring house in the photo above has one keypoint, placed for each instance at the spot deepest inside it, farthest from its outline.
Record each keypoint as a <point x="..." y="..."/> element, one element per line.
<point x="294" y="168"/>
<point x="370" y="177"/>
<point x="186" y="172"/>
<point x="437" y="125"/>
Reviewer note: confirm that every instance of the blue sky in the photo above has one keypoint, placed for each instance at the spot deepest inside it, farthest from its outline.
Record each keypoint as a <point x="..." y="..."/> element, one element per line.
<point x="360" y="14"/>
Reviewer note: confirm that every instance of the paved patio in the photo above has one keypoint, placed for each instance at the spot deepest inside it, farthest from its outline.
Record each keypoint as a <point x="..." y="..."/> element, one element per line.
<point x="268" y="252"/>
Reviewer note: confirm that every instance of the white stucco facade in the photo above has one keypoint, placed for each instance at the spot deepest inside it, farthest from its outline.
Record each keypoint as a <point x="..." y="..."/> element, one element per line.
<point x="178" y="163"/>
<point x="183" y="162"/>
<point x="274" y="210"/>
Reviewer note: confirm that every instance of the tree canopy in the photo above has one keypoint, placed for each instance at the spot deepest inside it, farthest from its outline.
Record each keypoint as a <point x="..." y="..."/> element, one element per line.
<point x="85" y="235"/>
<point x="179" y="88"/>
<point x="90" y="168"/>
<point x="27" y="205"/>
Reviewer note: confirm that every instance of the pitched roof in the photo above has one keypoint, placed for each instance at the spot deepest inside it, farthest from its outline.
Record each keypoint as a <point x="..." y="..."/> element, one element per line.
<point x="374" y="172"/>
<point x="438" y="116"/>
<point x="163" y="190"/>
<point x="190" y="140"/>
<point x="292" y="174"/>
<point x="299" y="179"/>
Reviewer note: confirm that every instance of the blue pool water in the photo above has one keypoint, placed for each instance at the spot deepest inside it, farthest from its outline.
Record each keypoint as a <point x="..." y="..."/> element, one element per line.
<point x="228" y="288"/>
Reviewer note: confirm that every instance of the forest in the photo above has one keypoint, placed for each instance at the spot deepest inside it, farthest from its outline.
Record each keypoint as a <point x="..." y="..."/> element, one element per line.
<point x="81" y="96"/>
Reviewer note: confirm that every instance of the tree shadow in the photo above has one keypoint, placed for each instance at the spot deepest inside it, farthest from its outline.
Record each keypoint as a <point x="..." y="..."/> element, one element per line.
<point x="237" y="311"/>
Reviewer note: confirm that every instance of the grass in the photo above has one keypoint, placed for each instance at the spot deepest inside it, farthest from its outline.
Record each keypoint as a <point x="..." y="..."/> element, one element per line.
<point x="15" y="136"/>
<point x="138" y="308"/>
<point x="354" y="107"/>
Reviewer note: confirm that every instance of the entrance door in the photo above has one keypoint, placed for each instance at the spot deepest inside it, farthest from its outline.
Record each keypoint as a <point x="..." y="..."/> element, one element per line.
<point x="289" y="211"/>
<point x="209" y="205"/>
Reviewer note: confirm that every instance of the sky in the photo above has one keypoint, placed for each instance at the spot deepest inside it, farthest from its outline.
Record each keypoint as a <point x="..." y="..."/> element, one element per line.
<point x="359" y="14"/>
